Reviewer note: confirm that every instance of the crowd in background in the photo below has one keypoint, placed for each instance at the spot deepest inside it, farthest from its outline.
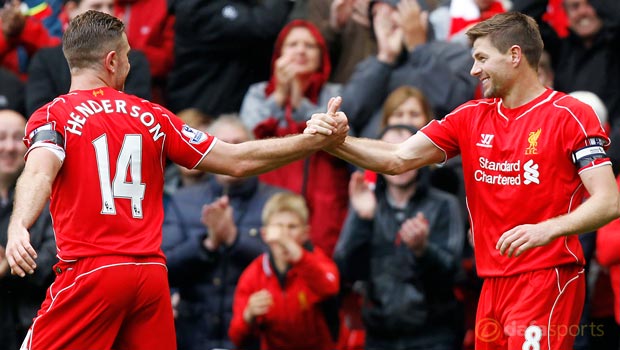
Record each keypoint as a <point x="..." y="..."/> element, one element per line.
<point x="245" y="255"/>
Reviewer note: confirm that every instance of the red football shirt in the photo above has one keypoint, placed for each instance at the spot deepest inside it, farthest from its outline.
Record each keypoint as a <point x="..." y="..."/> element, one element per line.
<point x="519" y="169"/>
<point x="107" y="197"/>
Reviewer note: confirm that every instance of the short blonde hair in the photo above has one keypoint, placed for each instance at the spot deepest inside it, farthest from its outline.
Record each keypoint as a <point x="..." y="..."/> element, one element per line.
<point x="285" y="202"/>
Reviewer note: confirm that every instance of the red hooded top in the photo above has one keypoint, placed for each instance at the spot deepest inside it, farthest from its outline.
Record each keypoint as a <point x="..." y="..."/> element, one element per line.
<point x="317" y="79"/>
<point x="321" y="178"/>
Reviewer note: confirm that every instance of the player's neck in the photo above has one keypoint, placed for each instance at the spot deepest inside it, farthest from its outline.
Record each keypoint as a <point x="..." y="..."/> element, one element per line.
<point x="525" y="90"/>
<point x="87" y="80"/>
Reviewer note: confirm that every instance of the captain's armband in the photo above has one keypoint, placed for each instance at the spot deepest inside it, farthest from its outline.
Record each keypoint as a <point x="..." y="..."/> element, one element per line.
<point x="48" y="136"/>
<point x="590" y="153"/>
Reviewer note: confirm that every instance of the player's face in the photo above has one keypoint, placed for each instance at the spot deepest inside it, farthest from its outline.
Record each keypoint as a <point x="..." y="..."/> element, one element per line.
<point x="406" y="179"/>
<point x="120" y="74"/>
<point x="301" y="45"/>
<point x="409" y="112"/>
<point x="492" y="68"/>
<point x="12" y="149"/>
<point x="582" y="18"/>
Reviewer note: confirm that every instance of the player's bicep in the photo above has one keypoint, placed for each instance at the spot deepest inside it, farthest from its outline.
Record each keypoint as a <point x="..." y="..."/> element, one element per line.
<point x="599" y="180"/>
<point x="221" y="159"/>
<point x="419" y="150"/>
<point x="42" y="160"/>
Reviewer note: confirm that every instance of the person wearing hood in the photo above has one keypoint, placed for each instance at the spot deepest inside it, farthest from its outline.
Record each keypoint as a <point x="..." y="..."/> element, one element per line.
<point x="297" y="88"/>
<point x="404" y="240"/>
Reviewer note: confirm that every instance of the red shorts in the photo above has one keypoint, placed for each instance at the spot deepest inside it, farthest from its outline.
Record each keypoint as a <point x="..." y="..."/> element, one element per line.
<point x="531" y="311"/>
<point x="103" y="303"/>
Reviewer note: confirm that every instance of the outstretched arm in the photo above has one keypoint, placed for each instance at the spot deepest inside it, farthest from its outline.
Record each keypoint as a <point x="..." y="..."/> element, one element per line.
<point x="31" y="193"/>
<point x="255" y="157"/>
<point x="599" y="209"/>
<point x="377" y="155"/>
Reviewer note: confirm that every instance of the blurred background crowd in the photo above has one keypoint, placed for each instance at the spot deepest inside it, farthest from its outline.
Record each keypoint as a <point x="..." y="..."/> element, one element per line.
<point x="244" y="69"/>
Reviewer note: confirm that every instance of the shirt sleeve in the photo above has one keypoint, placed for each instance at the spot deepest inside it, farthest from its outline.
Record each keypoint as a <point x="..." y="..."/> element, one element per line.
<point x="586" y="138"/>
<point x="184" y="145"/>
<point x="444" y="133"/>
<point x="45" y="121"/>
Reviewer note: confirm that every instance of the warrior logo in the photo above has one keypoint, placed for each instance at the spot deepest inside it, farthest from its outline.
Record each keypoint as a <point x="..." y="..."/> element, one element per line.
<point x="533" y="141"/>
<point x="485" y="140"/>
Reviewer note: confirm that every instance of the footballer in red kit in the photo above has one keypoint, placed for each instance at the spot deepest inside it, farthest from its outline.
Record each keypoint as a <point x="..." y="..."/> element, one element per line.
<point x="114" y="153"/>
<point x="106" y="179"/>
<point x="520" y="163"/>
<point x="524" y="163"/>
<point x="99" y="155"/>
<point x="529" y="154"/>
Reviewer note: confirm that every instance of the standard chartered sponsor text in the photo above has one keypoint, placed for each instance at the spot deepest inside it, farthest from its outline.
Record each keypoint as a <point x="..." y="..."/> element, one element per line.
<point x="498" y="179"/>
<point x="499" y="173"/>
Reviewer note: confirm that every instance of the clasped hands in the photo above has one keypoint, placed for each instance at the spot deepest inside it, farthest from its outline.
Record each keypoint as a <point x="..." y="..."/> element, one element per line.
<point x="332" y="125"/>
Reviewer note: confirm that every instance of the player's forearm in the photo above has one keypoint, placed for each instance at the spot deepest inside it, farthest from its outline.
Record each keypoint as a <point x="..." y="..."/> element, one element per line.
<point x="31" y="193"/>
<point x="34" y="186"/>
<point x="595" y="212"/>
<point x="256" y="157"/>
<point x="369" y="154"/>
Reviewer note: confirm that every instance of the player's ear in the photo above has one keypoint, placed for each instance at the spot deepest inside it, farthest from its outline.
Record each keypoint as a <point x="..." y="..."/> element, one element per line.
<point x="111" y="61"/>
<point x="515" y="54"/>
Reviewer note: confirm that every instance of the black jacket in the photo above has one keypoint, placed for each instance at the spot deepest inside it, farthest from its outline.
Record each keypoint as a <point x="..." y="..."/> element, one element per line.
<point x="49" y="77"/>
<point x="221" y="48"/>
<point x="20" y="298"/>
<point x="11" y="91"/>
<point x="408" y="301"/>
<point x="577" y="67"/>
<point x="206" y="280"/>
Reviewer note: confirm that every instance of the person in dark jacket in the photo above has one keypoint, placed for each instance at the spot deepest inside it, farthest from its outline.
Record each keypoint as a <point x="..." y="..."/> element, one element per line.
<point x="220" y="48"/>
<point x="11" y="91"/>
<point x="586" y="59"/>
<point x="405" y="241"/>
<point x="211" y="233"/>
<point x="20" y="297"/>
<point x="49" y="72"/>
<point x="407" y="55"/>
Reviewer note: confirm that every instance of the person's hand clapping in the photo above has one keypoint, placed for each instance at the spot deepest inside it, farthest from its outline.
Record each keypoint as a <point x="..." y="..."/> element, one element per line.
<point x="218" y="219"/>
<point x="388" y="32"/>
<point x="414" y="233"/>
<point x="258" y="305"/>
<point x="362" y="198"/>
<point x="285" y="72"/>
<point x="13" y="21"/>
<point x="341" y="11"/>
<point x="414" y="23"/>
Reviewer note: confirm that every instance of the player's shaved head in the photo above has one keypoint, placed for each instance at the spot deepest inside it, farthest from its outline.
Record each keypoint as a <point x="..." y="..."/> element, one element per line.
<point x="89" y="37"/>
